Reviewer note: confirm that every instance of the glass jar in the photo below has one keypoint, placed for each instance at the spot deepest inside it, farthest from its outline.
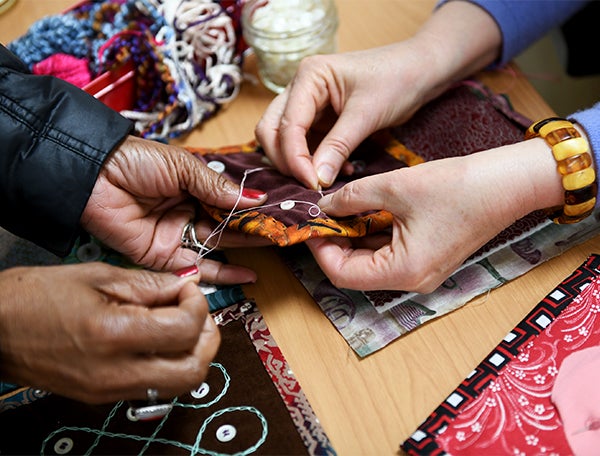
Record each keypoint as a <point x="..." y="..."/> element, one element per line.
<point x="283" y="32"/>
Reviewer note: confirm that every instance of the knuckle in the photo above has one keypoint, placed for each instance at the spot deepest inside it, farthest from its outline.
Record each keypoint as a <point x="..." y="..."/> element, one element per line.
<point x="100" y="335"/>
<point x="188" y="332"/>
<point x="284" y="125"/>
<point x="222" y="185"/>
<point x="339" y="148"/>
<point x="421" y="279"/>
<point x="347" y="193"/>
<point x="95" y="387"/>
<point x="197" y="374"/>
<point x="424" y="285"/>
<point x="339" y="282"/>
<point x="311" y="63"/>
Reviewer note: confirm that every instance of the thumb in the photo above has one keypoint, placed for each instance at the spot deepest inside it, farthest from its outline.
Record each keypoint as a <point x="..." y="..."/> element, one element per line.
<point x="215" y="189"/>
<point x="357" y="196"/>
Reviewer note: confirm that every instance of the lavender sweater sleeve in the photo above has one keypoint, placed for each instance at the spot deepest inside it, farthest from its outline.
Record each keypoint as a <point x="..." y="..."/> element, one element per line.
<point x="522" y="22"/>
<point x="589" y="119"/>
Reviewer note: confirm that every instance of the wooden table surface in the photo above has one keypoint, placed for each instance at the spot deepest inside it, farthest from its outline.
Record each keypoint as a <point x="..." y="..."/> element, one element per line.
<point x="368" y="406"/>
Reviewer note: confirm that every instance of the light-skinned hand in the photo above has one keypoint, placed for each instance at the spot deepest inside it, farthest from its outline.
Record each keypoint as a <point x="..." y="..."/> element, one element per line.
<point x="444" y="211"/>
<point x="343" y="98"/>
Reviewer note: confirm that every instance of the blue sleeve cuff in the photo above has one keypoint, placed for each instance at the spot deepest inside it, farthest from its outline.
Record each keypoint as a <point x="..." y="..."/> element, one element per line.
<point x="589" y="120"/>
<point x="524" y="22"/>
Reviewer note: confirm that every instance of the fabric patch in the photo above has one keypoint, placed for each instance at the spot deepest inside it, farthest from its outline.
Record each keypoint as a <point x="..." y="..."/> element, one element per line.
<point x="368" y="329"/>
<point x="277" y="420"/>
<point x="466" y="119"/>
<point x="291" y="215"/>
<point x="505" y="406"/>
<point x="250" y="391"/>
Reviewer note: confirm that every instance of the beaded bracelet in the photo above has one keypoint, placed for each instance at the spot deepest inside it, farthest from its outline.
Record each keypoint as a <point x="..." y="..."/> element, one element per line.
<point x="574" y="163"/>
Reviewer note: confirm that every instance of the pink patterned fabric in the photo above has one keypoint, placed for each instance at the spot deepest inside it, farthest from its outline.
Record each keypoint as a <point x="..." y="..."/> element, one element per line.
<point x="536" y="392"/>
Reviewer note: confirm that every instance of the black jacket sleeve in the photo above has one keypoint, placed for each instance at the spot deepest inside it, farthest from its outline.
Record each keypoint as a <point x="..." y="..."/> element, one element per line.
<point x="54" y="140"/>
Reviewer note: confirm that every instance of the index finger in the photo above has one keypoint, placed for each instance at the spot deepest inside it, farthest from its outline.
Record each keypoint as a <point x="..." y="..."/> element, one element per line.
<point x="308" y="95"/>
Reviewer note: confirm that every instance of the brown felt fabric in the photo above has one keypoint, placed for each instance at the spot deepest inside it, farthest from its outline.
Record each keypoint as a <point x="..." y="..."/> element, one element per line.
<point x="25" y="428"/>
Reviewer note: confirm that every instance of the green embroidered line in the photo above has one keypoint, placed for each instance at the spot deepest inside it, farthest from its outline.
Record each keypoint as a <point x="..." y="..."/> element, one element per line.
<point x="105" y="425"/>
<point x="158" y="428"/>
<point x="193" y="449"/>
<point x="227" y="380"/>
<point x="218" y="413"/>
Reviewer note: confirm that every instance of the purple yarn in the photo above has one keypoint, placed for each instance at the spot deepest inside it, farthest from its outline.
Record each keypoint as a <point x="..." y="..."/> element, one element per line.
<point x="127" y="32"/>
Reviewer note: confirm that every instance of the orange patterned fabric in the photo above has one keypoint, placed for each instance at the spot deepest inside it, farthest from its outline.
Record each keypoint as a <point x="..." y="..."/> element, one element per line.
<point x="287" y="226"/>
<point x="466" y="119"/>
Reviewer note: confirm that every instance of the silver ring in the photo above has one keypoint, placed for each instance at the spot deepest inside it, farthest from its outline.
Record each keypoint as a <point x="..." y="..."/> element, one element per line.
<point x="152" y="395"/>
<point x="190" y="241"/>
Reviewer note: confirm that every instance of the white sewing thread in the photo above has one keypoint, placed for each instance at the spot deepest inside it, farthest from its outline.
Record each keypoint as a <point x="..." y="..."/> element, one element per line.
<point x="314" y="210"/>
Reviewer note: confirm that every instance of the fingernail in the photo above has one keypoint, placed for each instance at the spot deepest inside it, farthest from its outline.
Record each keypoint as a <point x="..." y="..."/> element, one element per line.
<point x="187" y="271"/>
<point x="253" y="193"/>
<point x="325" y="174"/>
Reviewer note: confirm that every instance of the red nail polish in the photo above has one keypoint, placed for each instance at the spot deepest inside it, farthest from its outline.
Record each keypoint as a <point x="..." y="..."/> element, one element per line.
<point x="187" y="271"/>
<point x="253" y="193"/>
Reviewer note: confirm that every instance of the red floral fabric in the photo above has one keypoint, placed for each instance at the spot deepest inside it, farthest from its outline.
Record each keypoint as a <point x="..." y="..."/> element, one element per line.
<point x="505" y="406"/>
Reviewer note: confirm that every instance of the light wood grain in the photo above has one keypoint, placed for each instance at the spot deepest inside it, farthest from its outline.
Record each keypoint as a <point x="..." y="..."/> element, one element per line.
<point x="368" y="406"/>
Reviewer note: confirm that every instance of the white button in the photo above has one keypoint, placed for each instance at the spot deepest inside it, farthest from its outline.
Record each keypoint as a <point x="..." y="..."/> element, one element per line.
<point x="89" y="252"/>
<point x="287" y="205"/>
<point x="63" y="446"/>
<point x="216" y="165"/>
<point x="226" y="433"/>
<point x="201" y="391"/>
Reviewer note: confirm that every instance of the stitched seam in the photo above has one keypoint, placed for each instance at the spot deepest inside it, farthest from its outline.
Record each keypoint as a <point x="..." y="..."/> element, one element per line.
<point x="46" y="132"/>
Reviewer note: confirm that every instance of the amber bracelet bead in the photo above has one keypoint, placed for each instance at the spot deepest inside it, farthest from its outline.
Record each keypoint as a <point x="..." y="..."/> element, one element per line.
<point x="574" y="163"/>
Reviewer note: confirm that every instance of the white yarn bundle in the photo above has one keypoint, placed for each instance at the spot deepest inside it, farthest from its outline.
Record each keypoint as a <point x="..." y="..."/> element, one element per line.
<point x="198" y="43"/>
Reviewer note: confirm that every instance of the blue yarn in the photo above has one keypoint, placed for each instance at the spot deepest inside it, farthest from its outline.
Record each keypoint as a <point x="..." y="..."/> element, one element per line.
<point x="49" y="36"/>
<point x="73" y="34"/>
<point x="104" y="32"/>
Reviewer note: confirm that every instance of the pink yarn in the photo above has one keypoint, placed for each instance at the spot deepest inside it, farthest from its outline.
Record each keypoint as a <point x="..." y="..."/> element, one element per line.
<point x="66" y="67"/>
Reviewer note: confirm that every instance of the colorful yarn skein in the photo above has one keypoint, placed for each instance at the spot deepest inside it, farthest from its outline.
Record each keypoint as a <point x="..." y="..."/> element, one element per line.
<point x="187" y="55"/>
